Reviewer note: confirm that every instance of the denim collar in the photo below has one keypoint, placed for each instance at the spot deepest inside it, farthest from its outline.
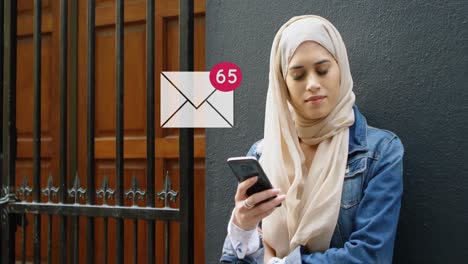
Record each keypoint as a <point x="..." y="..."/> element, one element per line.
<point x="358" y="133"/>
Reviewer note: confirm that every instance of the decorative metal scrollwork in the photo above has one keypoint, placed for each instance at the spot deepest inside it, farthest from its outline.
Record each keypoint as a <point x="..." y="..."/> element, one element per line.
<point x="6" y="198"/>
<point x="135" y="192"/>
<point x="167" y="194"/>
<point x="50" y="191"/>
<point x="77" y="192"/>
<point x="25" y="190"/>
<point x="105" y="193"/>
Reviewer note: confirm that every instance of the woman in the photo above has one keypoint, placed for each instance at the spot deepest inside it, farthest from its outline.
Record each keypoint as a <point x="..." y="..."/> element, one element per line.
<point x="339" y="180"/>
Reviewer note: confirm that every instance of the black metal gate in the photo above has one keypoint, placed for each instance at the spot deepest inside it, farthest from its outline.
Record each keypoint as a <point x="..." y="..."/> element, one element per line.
<point x="13" y="210"/>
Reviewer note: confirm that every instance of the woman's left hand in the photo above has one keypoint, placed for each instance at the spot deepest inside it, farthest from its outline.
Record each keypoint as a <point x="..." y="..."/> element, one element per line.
<point x="269" y="252"/>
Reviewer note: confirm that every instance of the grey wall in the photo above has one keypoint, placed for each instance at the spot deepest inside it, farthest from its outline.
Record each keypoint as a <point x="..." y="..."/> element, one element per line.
<point x="409" y="64"/>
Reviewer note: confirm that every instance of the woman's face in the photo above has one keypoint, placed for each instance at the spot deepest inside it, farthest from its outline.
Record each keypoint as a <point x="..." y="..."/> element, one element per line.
<point x="313" y="80"/>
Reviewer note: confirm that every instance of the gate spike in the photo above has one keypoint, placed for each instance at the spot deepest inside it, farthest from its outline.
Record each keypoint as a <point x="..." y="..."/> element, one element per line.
<point x="25" y="190"/>
<point x="77" y="192"/>
<point x="135" y="192"/>
<point x="106" y="192"/>
<point x="77" y="181"/>
<point x="50" y="191"/>
<point x="167" y="194"/>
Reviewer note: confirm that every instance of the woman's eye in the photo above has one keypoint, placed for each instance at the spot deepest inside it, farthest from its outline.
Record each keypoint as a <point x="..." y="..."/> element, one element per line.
<point x="322" y="72"/>
<point x="297" y="77"/>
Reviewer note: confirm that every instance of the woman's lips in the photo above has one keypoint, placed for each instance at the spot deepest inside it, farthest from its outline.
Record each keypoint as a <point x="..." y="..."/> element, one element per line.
<point x="315" y="99"/>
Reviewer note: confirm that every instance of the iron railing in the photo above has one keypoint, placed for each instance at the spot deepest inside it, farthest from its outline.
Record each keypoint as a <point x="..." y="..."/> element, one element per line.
<point x="13" y="211"/>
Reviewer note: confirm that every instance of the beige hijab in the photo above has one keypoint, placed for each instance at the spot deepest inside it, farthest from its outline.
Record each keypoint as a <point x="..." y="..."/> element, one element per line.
<point x="309" y="215"/>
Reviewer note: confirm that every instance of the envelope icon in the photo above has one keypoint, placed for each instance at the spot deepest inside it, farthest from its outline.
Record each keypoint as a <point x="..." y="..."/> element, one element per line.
<point x="188" y="99"/>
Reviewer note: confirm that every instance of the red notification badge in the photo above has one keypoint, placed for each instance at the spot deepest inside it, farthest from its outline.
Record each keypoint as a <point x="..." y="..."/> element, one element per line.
<point x="226" y="76"/>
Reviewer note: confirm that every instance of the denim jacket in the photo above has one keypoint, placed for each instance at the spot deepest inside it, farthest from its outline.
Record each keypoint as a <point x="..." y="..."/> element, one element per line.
<point x="370" y="202"/>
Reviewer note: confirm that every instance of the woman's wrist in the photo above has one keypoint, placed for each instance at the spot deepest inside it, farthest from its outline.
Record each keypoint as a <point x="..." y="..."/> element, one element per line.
<point x="238" y="224"/>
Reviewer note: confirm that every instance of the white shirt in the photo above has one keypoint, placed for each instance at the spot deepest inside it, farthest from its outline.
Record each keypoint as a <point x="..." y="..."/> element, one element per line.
<point x="246" y="242"/>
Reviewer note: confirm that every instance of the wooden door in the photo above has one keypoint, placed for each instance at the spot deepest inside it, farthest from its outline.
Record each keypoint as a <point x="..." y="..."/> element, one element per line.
<point x="166" y="58"/>
<point x="49" y="113"/>
<point x="134" y="115"/>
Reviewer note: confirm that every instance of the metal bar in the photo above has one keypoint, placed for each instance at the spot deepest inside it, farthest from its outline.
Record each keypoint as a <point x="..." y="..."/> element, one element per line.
<point x="49" y="242"/>
<point x="73" y="95"/>
<point x="37" y="127"/>
<point x="72" y="102"/>
<point x="23" y="243"/>
<point x="63" y="63"/>
<point x="135" y="241"/>
<point x="105" y="255"/>
<point x="145" y="213"/>
<point x="90" y="112"/>
<point x="186" y="148"/>
<point x="8" y="225"/>
<point x="76" y="230"/>
<point x="73" y="88"/>
<point x="167" y="249"/>
<point x="73" y="119"/>
<point x="150" y="147"/>
<point x="1" y="122"/>
<point x="119" y="124"/>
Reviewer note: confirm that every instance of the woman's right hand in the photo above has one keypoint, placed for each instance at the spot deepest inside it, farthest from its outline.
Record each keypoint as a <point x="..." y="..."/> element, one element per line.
<point x="248" y="218"/>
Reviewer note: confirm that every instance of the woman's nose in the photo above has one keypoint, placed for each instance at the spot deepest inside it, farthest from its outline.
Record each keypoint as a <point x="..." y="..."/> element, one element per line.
<point x="312" y="83"/>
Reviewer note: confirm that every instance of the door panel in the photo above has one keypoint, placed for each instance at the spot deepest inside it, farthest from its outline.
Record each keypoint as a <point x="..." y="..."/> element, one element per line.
<point x="166" y="58"/>
<point x="135" y="115"/>
<point x="24" y="112"/>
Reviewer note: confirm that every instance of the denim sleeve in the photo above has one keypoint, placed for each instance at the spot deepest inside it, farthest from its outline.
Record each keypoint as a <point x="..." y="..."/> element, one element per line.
<point x="376" y="220"/>
<point x="253" y="151"/>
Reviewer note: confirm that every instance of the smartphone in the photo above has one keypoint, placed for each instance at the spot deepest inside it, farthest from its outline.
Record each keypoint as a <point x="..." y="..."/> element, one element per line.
<point x="247" y="167"/>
